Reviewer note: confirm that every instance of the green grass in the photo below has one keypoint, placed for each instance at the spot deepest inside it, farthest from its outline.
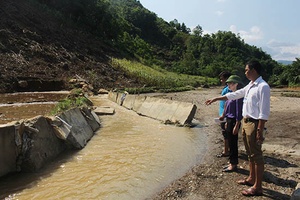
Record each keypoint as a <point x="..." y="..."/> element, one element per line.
<point x="75" y="99"/>
<point x="291" y="94"/>
<point x="156" y="78"/>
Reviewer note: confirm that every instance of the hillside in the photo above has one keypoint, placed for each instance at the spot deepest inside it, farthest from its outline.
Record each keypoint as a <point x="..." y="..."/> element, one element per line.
<point x="38" y="48"/>
<point x="45" y="43"/>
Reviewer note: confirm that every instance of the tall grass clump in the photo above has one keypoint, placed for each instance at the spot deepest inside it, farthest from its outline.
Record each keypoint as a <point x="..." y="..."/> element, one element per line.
<point x="158" y="78"/>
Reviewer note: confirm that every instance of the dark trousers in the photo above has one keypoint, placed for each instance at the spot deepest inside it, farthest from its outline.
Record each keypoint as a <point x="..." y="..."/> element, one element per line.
<point x="232" y="141"/>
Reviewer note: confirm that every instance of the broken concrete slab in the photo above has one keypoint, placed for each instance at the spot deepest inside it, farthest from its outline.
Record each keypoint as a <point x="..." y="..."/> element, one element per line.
<point x="160" y="107"/>
<point x="166" y="110"/>
<point x="27" y="145"/>
<point x="39" y="144"/>
<point x="145" y="107"/>
<point x="184" y="114"/>
<point x="113" y="96"/>
<point x="138" y="102"/>
<point x="103" y="110"/>
<point x="174" y="112"/>
<point x="81" y="132"/>
<point x="91" y="119"/>
<point x="129" y="101"/>
<point x="61" y="128"/>
<point x="8" y="149"/>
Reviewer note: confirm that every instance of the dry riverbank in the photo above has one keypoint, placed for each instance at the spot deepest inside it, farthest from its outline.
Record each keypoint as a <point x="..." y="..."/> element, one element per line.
<point x="281" y="152"/>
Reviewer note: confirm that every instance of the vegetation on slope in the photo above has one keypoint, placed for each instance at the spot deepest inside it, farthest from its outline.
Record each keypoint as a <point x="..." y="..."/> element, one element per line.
<point x="56" y="39"/>
<point x="140" y="34"/>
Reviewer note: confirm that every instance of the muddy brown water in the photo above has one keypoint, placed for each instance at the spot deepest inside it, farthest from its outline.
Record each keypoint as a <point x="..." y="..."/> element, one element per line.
<point x="24" y="105"/>
<point x="130" y="157"/>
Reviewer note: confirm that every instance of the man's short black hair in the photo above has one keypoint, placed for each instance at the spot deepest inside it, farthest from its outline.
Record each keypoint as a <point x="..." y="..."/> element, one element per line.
<point x="254" y="64"/>
<point x="225" y="74"/>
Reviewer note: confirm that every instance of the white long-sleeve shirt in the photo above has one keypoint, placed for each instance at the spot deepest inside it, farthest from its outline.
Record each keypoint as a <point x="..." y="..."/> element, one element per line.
<point x="256" y="99"/>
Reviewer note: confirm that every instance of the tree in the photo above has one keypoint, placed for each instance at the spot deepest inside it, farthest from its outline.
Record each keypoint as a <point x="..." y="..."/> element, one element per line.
<point x="291" y="73"/>
<point x="197" y="31"/>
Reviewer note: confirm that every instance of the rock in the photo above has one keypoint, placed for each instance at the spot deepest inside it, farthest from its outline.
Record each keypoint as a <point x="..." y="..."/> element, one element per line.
<point x="73" y="80"/>
<point x="103" y="91"/>
<point x="23" y="84"/>
<point x="104" y="111"/>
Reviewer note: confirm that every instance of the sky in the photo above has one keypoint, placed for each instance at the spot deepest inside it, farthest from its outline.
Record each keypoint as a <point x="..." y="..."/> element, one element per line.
<point x="272" y="25"/>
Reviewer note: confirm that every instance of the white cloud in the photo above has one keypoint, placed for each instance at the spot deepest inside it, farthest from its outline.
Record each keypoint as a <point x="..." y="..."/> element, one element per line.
<point x="278" y="50"/>
<point x="219" y="13"/>
<point x="207" y="32"/>
<point x="283" y="51"/>
<point x="253" y="35"/>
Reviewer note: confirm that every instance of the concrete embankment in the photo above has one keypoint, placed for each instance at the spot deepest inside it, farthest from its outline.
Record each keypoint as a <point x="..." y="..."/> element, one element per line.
<point x="27" y="145"/>
<point x="165" y="110"/>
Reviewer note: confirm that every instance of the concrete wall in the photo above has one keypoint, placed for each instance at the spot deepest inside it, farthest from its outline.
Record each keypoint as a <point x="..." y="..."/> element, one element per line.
<point x="8" y="149"/>
<point x="165" y="110"/>
<point x="39" y="144"/>
<point x="28" y="145"/>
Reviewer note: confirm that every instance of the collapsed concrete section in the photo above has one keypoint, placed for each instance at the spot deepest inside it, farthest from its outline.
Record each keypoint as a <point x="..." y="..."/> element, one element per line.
<point x="28" y="145"/>
<point x="39" y="144"/>
<point x="80" y="130"/>
<point x="8" y="148"/>
<point x="103" y="110"/>
<point x="166" y="110"/>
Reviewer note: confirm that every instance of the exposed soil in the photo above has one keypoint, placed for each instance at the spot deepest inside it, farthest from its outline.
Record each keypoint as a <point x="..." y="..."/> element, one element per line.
<point x="41" y="53"/>
<point x="281" y="153"/>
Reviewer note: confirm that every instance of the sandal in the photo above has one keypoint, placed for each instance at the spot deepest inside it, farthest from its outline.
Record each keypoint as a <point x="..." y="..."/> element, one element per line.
<point x="252" y="192"/>
<point x="233" y="169"/>
<point x="222" y="155"/>
<point x="244" y="182"/>
<point x="226" y="166"/>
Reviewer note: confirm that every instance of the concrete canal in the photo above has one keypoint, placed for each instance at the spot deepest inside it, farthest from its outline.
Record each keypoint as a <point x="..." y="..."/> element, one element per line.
<point x="130" y="157"/>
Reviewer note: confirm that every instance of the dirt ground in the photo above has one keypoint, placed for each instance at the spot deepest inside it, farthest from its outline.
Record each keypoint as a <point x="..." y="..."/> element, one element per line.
<point x="281" y="153"/>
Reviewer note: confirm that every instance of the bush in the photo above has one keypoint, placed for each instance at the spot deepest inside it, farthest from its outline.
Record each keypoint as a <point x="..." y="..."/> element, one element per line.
<point x="75" y="99"/>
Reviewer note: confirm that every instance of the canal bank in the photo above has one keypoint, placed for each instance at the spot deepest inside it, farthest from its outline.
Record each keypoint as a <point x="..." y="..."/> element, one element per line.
<point x="131" y="157"/>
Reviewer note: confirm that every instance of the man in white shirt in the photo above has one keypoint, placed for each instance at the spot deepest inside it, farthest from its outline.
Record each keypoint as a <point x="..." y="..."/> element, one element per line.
<point x="256" y="111"/>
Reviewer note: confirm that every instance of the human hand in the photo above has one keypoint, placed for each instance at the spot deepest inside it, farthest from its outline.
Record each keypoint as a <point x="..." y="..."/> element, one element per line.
<point x="235" y="130"/>
<point x="259" y="137"/>
<point x="209" y="101"/>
